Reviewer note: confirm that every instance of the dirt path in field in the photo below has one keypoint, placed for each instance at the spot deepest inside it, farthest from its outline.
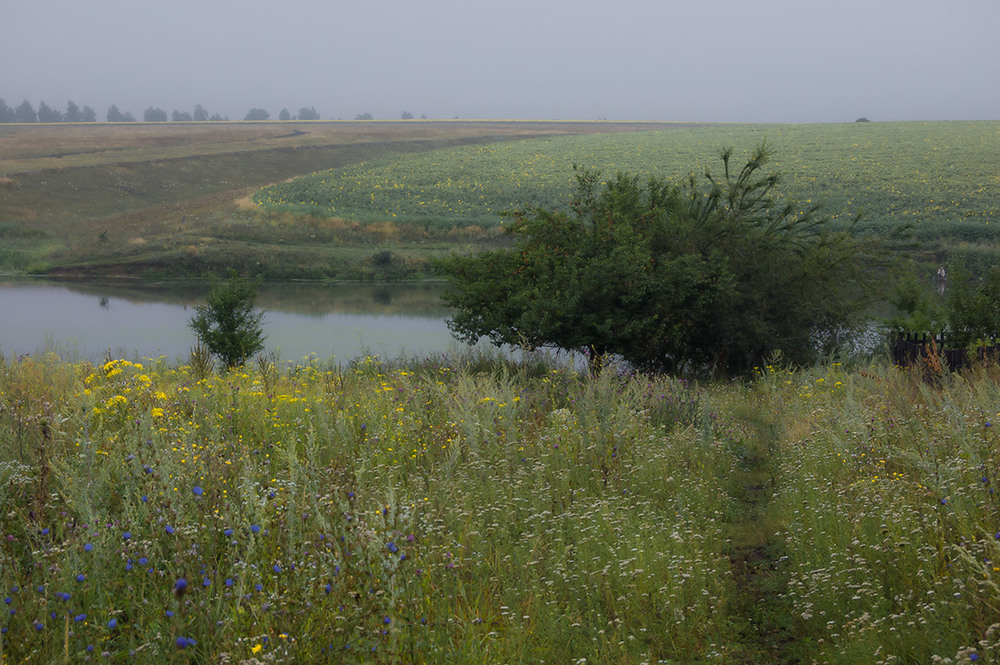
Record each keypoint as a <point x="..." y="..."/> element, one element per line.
<point x="759" y="610"/>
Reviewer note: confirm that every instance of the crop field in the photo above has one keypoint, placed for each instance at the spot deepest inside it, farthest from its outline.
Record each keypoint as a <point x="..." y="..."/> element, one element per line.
<point x="166" y="199"/>
<point x="939" y="177"/>
<point x="483" y="511"/>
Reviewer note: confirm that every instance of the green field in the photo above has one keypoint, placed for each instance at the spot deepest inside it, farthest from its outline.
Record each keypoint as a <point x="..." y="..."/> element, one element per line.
<point x="939" y="177"/>
<point x="172" y="200"/>
<point x="169" y="200"/>
<point x="483" y="511"/>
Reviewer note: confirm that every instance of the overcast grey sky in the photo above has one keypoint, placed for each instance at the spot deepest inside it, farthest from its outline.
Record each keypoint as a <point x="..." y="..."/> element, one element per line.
<point x="718" y="60"/>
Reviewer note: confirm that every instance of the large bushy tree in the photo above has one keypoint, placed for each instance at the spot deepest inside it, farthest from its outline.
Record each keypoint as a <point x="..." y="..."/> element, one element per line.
<point x="712" y="275"/>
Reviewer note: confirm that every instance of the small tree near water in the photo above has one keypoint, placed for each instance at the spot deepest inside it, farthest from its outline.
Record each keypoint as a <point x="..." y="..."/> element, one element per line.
<point x="227" y="323"/>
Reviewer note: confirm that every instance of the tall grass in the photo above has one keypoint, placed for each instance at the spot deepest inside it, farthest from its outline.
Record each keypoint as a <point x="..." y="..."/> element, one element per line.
<point x="386" y="513"/>
<point x="492" y="511"/>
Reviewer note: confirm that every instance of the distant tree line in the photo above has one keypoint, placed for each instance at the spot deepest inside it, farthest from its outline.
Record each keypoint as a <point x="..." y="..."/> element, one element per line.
<point x="25" y="112"/>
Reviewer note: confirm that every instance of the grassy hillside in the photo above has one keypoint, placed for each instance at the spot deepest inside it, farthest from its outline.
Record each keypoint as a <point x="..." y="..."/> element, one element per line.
<point x="182" y="199"/>
<point x="164" y="199"/>
<point x="489" y="512"/>
<point x="940" y="177"/>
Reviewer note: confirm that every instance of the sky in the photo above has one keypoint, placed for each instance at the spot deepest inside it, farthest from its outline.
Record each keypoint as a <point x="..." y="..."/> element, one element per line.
<point x="798" y="61"/>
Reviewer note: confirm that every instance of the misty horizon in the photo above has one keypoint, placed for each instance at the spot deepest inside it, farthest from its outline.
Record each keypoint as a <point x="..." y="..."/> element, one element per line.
<point x="773" y="61"/>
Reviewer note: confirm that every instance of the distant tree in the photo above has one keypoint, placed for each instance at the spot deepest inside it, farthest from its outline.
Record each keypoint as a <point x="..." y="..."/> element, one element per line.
<point x="154" y="115"/>
<point x="364" y="116"/>
<point x="257" y="114"/>
<point x="227" y="323"/>
<point x="7" y="114"/>
<point x="284" y="115"/>
<point x="200" y="114"/>
<point x="423" y="116"/>
<point x="114" y="115"/>
<point x="217" y="118"/>
<point x="406" y="115"/>
<point x="862" y="119"/>
<point x="48" y="114"/>
<point x="25" y="112"/>
<point x="308" y="114"/>
<point x="73" y="112"/>
<point x="89" y="114"/>
<point x="178" y="116"/>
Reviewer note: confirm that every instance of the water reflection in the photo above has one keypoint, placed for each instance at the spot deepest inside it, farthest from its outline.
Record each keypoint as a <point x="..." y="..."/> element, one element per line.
<point x="84" y="321"/>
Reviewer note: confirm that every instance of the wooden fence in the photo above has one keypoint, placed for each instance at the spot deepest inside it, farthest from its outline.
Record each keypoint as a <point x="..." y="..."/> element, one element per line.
<point x="908" y="348"/>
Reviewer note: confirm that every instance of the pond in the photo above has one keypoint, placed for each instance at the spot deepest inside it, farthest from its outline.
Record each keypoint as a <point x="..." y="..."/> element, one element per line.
<point x="87" y="321"/>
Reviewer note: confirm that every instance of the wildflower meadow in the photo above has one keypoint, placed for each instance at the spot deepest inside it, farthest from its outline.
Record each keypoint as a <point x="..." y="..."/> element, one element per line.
<point x="490" y="511"/>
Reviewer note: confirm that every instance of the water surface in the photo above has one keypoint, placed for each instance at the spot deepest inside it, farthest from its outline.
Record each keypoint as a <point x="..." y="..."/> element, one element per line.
<point x="86" y="321"/>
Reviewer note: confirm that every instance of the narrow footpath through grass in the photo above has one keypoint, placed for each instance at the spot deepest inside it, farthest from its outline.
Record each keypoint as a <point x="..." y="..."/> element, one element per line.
<point x="759" y="609"/>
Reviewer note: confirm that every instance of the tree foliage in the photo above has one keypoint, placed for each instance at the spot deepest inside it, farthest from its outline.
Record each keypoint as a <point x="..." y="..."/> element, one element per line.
<point x="257" y="114"/>
<point x="154" y="115"/>
<point x="308" y="113"/>
<point x="712" y="275"/>
<point x="227" y="323"/>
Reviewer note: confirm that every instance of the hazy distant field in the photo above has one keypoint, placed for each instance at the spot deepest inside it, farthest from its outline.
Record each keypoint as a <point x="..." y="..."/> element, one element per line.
<point x="941" y="177"/>
<point x="173" y="199"/>
<point x="162" y="199"/>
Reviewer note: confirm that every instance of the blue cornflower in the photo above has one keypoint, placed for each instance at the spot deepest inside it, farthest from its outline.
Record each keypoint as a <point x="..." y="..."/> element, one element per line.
<point x="206" y="582"/>
<point x="386" y="620"/>
<point x="126" y="535"/>
<point x="8" y="600"/>
<point x="81" y="577"/>
<point x="80" y="617"/>
<point x="185" y="642"/>
<point x="45" y="532"/>
<point x="143" y="561"/>
<point x="145" y="498"/>
<point x="88" y="547"/>
<point x="258" y="586"/>
<point x="254" y="528"/>
<point x="229" y="581"/>
<point x="227" y="532"/>
<point x="63" y="596"/>
<point x="329" y="587"/>
<point x="181" y="584"/>
<point x="198" y="491"/>
<point x="392" y="547"/>
<point x="113" y="624"/>
<point x="39" y="625"/>
<point x="170" y="530"/>
<point x="276" y="568"/>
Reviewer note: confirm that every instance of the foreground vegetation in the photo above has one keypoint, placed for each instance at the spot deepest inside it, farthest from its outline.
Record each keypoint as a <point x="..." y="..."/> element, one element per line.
<point x="491" y="511"/>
